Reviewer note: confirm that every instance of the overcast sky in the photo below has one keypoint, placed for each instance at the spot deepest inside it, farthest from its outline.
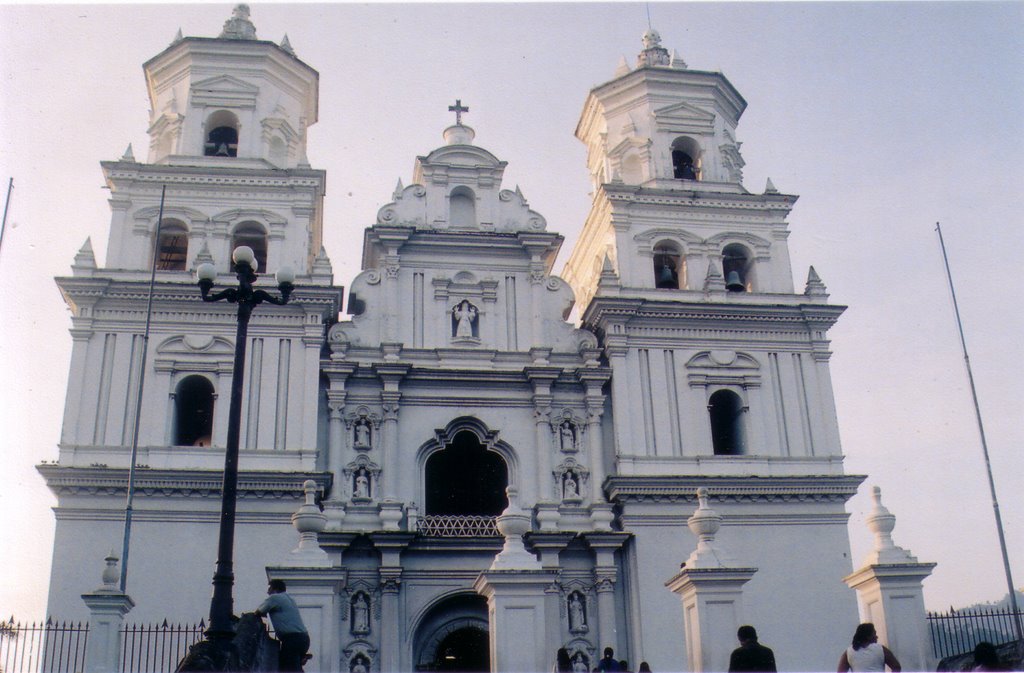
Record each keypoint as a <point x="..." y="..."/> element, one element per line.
<point x="884" y="117"/>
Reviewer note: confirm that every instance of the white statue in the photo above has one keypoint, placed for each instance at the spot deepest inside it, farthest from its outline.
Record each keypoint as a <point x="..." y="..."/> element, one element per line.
<point x="362" y="489"/>
<point x="362" y="432"/>
<point x="569" y="488"/>
<point x="464" y="314"/>
<point x="360" y="614"/>
<point x="579" y="664"/>
<point x="577" y="617"/>
<point x="359" y="665"/>
<point x="568" y="437"/>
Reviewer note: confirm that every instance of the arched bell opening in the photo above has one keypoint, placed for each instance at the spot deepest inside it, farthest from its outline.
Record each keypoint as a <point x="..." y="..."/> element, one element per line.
<point x="172" y="248"/>
<point x="221" y="135"/>
<point x="253" y="235"/>
<point x="193" y="411"/>
<point x="728" y="436"/>
<point x="669" y="267"/>
<point x="737" y="267"/>
<point x="686" y="159"/>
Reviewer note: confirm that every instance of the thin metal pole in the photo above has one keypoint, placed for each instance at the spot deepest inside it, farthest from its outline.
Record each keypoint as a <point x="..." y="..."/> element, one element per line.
<point x="138" y="398"/>
<point x="984" y="446"/>
<point x="7" y="203"/>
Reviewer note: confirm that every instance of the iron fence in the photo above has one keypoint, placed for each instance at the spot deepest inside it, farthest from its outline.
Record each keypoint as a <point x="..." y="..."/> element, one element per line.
<point x="43" y="647"/>
<point x="956" y="633"/>
<point x="59" y="647"/>
<point x="148" y="648"/>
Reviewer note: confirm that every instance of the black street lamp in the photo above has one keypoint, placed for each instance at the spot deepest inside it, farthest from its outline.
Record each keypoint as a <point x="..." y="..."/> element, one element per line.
<point x="221" y="630"/>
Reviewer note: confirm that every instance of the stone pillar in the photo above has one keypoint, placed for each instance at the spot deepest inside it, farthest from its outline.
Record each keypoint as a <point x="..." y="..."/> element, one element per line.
<point x="890" y="595"/>
<point x="604" y="546"/>
<point x="107" y="608"/>
<point x="515" y="587"/>
<point x="390" y="546"/>
<point x="711" y="589"/>
<point x="319" y="595"/>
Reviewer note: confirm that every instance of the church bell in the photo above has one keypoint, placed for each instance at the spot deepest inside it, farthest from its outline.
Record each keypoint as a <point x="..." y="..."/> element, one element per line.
<point x="666" y="277"/>
<point x="733" y="284"/>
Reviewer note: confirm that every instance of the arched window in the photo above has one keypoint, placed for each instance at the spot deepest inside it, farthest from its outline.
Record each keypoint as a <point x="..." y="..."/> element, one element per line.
<point x="669" y="267"/>
<point x="462" y="208"/>
<point x="685" y="159"/>
<point x="221" y="135"/>
<point x="253" y="235"/>
<point x="737" y="268"/>
<point x="193" y="411"/>
<point x="172" y="249"/>
<point x="465" y="479"/>
<point x="727" y="435"/>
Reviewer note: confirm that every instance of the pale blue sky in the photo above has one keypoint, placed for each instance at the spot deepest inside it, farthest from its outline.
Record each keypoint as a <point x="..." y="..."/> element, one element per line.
<point x="884" y="117"/>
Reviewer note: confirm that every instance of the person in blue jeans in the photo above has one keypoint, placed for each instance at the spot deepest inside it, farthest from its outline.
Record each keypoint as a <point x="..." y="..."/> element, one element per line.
<point x="288" y="626"/>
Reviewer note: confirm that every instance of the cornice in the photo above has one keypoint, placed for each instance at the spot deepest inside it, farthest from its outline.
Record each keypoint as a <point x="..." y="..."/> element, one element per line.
<point x="747" y="489"/>
<point x="603" y="310"/>
<point x="177" y="483"/>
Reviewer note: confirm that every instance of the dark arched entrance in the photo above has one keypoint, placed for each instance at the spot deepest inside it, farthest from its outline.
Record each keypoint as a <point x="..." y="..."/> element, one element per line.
<point x="465" y="649"/>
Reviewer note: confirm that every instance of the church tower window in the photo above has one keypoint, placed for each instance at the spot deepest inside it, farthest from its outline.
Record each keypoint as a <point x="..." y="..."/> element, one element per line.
<point x="727" y="434"/>
<point x="685" y="159"/>
<point x="465" y="479"/>
<point x="253" y="235"/>
<point x="221" y="135"/>
<point x="669" y="267"/>
<point x="193" y="411"/>
<point x="172" y="249"/>
<point x="462" y="208"/>
<point x="736" y="267"/>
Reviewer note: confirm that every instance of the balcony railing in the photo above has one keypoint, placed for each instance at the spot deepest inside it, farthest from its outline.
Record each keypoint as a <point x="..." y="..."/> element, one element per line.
<point x="457" y="525"/>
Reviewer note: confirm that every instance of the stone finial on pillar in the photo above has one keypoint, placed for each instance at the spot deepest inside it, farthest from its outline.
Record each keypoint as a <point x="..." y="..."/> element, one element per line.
<point x="704" y="523"/>
<point x="513" y="523"/>
<point x="107" y="608"/>
<point x="890" y="594"/>
<point x="711" y="589"/>
<point x="310" y="522"/>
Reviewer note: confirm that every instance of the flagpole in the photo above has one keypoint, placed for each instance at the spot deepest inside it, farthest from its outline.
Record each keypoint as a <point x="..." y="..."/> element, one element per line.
<point x="138" y="397"/>
<point x="7" y="203"/>
<point x="984" y="446"/>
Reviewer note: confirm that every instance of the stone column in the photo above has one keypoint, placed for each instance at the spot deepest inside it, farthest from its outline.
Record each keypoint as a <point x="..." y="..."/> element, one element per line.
<point x="890" y="595"/>
<point x="604" y="546"/>
<point x="515" y="587"/>
<point x="390" y="546"/>
<point x="711" y="589"/>
<point x="107" y="608"/>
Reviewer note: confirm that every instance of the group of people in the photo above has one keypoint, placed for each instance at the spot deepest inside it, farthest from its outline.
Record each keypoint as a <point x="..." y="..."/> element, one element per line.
<point x="608" y="663"/>
<point x="865" y="653"/>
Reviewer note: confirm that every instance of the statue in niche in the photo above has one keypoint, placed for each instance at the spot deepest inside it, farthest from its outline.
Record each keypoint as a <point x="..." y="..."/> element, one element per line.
<point x="359" y="665"/>
<point x="579" y="663"/>
<point x="361" y="485"/>
<point x="464" y="314"/>
<point x="362" y="429"/>
<point x="577" y="612"/>
<point x="570" y="487"/>
<point x="360" y="614"/>
<point x="568" y="436"/>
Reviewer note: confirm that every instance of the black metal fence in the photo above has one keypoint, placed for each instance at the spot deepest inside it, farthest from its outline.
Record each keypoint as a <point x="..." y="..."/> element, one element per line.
<point x="956" y="633"/>
<point x="59" y="647"/>
<point x="155" y="649"/>
<point x="38" y="647"/>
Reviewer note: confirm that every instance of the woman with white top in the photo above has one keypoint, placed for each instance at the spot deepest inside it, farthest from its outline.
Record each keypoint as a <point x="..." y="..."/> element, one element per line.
<point x="865" y="654"/>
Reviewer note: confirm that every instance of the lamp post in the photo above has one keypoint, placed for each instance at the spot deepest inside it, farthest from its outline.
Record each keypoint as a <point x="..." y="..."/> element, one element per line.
<point x="221" y="631"/>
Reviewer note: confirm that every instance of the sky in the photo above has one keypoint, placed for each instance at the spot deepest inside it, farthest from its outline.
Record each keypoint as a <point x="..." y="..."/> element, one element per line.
<point x="884" y="117"/>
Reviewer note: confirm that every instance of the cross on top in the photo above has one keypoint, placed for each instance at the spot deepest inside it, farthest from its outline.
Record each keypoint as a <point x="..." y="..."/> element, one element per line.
<point x="458" y="110"/>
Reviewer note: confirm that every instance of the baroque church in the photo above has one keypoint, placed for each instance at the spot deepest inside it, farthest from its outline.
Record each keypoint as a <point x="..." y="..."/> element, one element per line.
<point x="450" y="388"/>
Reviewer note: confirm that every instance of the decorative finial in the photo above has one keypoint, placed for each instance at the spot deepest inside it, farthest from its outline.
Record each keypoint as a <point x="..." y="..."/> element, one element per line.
<point x="815" y="288"/>
<point x="239" y="27"/>
<point x="111" y="574"/>
<point x="705" y="523"/>
<point x="513" y="523"/>
<point x="653" y="53"/>
<point x="309" y="521"/>
<point x="203" y="256"/>
<point x="287" y="45"/>
<point x="458" y="109"/>
<point x="622" y="68"/>
<point x="128" y="154"/>
<point x="85" y="260"/>
<point x="769" y="187"/>
<point x="178" y="37"/>
<point x="881" y="521"/>
<point x="713" y="281"/>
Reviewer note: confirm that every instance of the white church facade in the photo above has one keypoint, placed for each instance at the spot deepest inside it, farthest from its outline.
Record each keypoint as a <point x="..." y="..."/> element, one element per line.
<point x="455" y="388"/>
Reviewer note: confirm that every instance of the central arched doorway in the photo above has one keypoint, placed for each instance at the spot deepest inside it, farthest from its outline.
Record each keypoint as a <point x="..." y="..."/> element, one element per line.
<point x="452" y="636"/>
